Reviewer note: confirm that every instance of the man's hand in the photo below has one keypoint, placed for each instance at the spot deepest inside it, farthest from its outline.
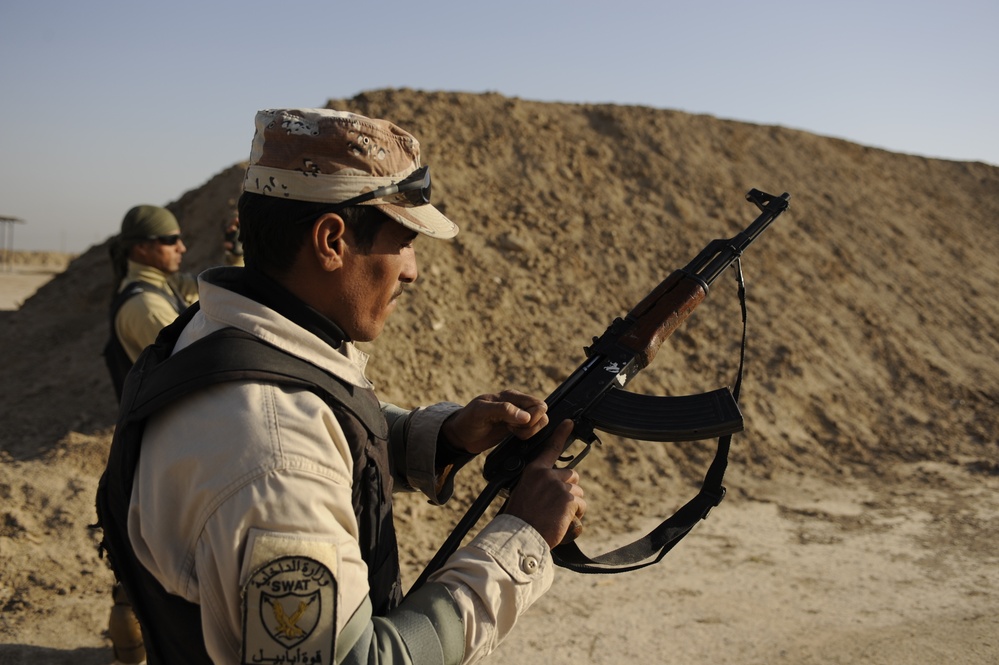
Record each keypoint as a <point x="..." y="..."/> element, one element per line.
<point x="488" y="419"/>
<point x="549" y="499"/>
<point x="230" y="237"/>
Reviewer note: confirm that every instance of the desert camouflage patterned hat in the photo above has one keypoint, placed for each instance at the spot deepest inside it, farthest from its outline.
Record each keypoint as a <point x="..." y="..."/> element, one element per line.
<point x="327" y="156"/>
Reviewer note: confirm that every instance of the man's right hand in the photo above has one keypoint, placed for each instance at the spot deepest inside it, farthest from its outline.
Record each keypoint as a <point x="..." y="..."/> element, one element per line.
<point x="549" y="499"/>
<point x="230" y="237"/>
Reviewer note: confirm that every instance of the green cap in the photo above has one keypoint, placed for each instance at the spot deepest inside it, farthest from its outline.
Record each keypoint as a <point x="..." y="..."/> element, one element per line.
<point x="146" y="221"/>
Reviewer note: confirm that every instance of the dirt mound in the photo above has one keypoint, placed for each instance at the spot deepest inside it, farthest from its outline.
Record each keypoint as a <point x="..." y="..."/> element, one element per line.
<point x="878" y="284"/>
<point x="873" y="301"/>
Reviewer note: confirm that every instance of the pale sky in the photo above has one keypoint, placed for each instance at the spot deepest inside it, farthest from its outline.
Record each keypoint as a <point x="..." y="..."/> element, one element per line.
<point x="110" y="104"/>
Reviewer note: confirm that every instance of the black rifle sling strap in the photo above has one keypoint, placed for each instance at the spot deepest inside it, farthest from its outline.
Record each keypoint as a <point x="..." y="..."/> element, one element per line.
<point x="652" y="547"/>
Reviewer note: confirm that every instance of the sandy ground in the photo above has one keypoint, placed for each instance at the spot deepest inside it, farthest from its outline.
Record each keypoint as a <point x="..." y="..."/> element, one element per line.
<point x="863" y="509"/>
<point x="20" y="283"/>
<point x="798" y="571"/>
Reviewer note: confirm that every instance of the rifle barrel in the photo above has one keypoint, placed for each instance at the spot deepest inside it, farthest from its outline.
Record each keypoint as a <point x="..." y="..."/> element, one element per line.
<point x="722" y="253"/>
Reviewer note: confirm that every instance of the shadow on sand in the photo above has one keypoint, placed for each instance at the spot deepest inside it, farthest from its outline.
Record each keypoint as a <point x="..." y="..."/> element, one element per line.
<point x="23" y="654"/>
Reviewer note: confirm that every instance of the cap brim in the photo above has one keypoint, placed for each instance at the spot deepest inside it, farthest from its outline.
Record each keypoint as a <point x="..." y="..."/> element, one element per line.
<point x="424" y="219"/>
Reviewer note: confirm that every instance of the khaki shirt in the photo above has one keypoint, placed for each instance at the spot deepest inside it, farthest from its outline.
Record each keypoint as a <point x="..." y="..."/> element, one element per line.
<point x="141" y="317"/>
<point x="242" y="504"/>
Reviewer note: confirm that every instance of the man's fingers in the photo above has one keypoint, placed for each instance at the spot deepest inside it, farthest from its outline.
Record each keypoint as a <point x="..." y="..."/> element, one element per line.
<point x="487" y="419"/>
<point x="524" y="411"/>
<point x="547" y="497"/>
<point x="555" y="445"/>
<point x="502" y="412"/>
<point x="573" y="532"/>
<point x="514" y="410"/>
<point x="522" y="400"/>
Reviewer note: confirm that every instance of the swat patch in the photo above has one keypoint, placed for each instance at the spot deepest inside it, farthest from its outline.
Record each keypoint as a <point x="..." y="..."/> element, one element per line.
<point x="289" y="613"/>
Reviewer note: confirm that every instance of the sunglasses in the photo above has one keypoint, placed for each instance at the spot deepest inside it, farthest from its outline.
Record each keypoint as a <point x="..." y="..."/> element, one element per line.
<point x="414" y="190"/>
<point x="166" y="240"/>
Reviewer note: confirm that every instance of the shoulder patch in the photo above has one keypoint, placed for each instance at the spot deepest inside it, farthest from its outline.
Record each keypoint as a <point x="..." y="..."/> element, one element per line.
<point x="289" y="612"/>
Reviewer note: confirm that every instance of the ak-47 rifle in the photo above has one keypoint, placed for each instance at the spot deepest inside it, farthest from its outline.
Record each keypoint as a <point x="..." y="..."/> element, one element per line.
<point x="594" y="399"/>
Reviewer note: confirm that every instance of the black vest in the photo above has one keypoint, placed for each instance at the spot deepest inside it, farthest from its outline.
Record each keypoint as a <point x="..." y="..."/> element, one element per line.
<point x="115" y="357"/>
<point x="171" y="626"/>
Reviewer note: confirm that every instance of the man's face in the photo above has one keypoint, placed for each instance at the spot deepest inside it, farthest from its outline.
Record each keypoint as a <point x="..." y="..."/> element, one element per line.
<point x="161" y="255"/>
<point x="373" y="280"/>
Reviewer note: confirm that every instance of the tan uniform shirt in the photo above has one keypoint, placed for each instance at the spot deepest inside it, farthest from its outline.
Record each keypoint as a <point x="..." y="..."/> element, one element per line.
<point x="250" y="516"/>
<point x="141" y="317"/>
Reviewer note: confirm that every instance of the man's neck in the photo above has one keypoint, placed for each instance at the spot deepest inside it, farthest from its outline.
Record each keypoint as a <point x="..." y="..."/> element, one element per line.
<point x="275" y="295"/>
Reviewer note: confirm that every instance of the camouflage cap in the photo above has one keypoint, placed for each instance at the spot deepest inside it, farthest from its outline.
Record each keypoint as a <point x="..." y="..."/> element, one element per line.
<point x="327" y="156"/>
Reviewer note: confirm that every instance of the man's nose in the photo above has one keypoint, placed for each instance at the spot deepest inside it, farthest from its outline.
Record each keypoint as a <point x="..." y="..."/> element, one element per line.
<point x="410" y="271"/>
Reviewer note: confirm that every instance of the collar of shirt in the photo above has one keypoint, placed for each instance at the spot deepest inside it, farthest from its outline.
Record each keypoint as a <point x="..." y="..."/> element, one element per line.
<point x="260" y="288"/>
<point x="144" y="273"/>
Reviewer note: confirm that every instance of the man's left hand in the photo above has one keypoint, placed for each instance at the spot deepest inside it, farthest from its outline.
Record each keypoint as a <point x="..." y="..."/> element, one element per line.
<point x="488" y="419"/>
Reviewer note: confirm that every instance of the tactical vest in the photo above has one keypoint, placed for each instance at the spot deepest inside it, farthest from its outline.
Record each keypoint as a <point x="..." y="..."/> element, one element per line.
<point x="115" y="357"/>
<point x="171" y="626"/>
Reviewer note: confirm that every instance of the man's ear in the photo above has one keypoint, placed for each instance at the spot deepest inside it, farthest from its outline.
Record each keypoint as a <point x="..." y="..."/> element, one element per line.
<point x="139" y="252"/>
<point x="327" y="241"/>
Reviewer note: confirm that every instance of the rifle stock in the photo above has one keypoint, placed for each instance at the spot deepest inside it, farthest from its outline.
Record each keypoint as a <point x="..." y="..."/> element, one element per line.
<point x="592" y="396"/>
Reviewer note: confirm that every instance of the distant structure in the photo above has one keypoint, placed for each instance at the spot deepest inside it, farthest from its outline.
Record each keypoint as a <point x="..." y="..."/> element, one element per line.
<point x="7" y="240"/>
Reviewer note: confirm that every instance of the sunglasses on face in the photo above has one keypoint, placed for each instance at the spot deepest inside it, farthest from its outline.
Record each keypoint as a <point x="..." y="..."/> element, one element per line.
<point x="166" y="240"/>
<point x="414" y="190"/>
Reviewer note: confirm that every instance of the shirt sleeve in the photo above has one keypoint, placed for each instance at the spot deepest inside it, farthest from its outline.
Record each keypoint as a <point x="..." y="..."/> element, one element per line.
<point x="414" y="449"/>
<point x="495" y="579"/>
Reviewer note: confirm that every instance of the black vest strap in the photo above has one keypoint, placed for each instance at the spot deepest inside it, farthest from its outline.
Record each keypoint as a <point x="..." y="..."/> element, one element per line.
<point x="233" y="355"/>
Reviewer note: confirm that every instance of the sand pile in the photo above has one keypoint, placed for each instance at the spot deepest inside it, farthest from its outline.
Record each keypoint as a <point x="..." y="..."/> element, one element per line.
<point x="873" y="317"/>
